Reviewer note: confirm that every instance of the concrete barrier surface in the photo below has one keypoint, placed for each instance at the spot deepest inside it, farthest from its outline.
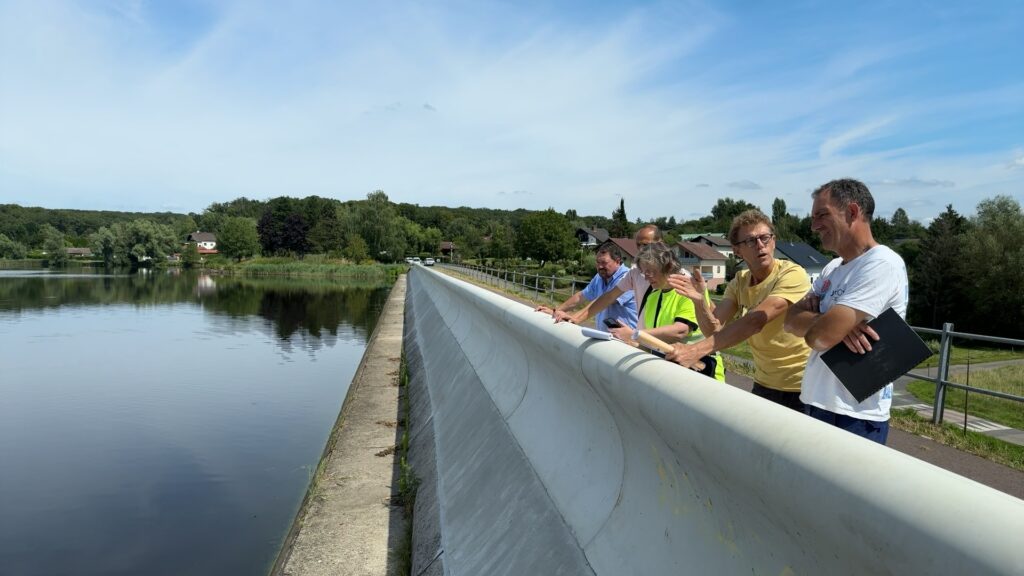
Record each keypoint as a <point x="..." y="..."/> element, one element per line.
<point x="543" y="452"/>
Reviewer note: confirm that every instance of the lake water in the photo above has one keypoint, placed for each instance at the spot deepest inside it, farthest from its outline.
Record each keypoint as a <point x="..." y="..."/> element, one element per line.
<point x="165" y="424"/>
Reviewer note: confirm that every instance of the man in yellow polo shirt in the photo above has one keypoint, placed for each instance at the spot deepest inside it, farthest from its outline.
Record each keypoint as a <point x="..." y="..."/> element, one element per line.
<point x="763" y="293"/>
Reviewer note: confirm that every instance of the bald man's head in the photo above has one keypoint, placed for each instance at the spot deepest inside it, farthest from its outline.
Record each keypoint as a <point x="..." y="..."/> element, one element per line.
<point x="647" y="235"/>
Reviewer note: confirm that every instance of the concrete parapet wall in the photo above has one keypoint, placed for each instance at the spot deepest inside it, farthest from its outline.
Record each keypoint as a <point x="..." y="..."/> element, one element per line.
<point x="543" y="452"/>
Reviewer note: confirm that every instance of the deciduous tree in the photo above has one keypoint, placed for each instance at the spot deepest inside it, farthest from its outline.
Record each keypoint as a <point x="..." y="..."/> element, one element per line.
<point x="11" y="249"/>
<point x="53" y="245"/>
<point x="994" y="256"/>
<point x="283" y="227"/>
<point x="545" y="236"/>
<point x="238" y="238"/>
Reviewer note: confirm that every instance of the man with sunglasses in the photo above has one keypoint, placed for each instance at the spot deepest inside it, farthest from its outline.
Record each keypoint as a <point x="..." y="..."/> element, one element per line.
<point x="763" y="293"/>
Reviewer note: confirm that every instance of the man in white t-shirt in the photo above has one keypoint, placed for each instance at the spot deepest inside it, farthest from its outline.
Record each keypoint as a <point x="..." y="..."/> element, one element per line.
<point x="852" y="290"/>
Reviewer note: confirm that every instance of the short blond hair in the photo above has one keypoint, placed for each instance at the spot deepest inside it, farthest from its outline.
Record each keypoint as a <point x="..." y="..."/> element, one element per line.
<point x="748" y="218"/>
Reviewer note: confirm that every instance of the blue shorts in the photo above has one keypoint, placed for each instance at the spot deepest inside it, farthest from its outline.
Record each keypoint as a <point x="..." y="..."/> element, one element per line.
<point x="874" y="431"/>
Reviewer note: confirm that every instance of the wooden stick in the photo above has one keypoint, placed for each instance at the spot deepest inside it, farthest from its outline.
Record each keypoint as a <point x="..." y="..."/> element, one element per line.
<point x="655" y="343"/>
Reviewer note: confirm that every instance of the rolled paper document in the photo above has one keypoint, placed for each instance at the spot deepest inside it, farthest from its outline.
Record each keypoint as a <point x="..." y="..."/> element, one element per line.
<point x="596" y="334"/>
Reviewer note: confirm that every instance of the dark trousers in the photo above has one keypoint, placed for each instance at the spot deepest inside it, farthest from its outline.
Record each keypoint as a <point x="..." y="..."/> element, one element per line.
<point x="874" y="431"/>
<point x="787" y="399"/>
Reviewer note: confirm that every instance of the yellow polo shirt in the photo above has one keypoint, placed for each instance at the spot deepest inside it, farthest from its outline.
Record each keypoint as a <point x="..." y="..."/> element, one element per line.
<point x="779" y="357"/>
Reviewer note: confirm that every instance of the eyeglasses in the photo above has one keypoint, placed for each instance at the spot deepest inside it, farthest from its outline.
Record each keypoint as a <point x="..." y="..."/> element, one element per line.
<point x="753" y="240"/>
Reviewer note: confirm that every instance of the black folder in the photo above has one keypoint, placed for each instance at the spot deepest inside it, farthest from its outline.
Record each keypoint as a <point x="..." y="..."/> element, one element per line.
<point x="898" y="350"/>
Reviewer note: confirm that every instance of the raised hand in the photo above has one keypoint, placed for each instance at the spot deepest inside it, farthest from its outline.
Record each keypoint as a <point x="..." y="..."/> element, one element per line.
<point x="686" y="286"/>
<point x="697" y="279"/>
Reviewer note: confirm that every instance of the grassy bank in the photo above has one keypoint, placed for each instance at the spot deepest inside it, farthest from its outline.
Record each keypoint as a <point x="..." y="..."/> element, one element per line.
<point x="408" y="483"/>
<point x="960" y="355"/>
<point x="1005" y="453"/>
<point x="1008" y="379"/>
<point x="310" y="266"/>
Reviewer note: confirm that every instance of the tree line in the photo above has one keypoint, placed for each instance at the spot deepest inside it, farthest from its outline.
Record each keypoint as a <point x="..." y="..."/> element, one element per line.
<point x="965" y="270"/>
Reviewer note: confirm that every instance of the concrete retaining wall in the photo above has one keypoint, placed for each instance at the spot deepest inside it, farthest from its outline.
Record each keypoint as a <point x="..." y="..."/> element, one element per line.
<point x="542" y="452"/>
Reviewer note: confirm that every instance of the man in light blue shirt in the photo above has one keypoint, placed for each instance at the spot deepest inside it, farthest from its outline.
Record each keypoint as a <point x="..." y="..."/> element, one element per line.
<point x="609" y="271"/>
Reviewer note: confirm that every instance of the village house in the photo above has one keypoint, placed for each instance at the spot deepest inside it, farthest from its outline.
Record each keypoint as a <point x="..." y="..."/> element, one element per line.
<point x="803" y="254"/>
<point x="716" y="240"/>
<point x="711" y="261"/>
<point x="78" y="252"/>
<point x="206" y="242"/>
<point x="591" y="237"/>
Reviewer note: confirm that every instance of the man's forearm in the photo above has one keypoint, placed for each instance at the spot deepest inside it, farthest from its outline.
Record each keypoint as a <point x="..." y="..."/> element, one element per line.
<point x="706" y="320"/>
<point x="596" y="306"/>
<point x="571" y="303"/>
<point x="735" y="332"/>
<point x="800" y="320"/>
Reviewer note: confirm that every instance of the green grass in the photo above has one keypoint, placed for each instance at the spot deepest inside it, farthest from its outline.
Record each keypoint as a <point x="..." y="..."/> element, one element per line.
<point x="734" y="367"/>
<point x="971" y="354"/>
<point x="742" y="350"/>
<point x="1009" y="379"/>
<point x="312" y="265"/>
<point x="408" y="482"/>
<point x="1012" y="455"/>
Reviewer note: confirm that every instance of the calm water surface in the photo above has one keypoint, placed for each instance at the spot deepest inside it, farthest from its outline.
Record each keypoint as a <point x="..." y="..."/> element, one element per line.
<point x="165" y="424"/>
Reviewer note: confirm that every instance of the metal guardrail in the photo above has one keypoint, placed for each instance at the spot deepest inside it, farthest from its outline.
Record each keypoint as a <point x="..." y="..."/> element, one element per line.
<point x="942" y="382"/>
<point x="549" y="285"/>
<point x="552" y="286"/>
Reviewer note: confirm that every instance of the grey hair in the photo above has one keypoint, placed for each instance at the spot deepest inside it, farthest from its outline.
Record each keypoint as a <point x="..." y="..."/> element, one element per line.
<point x="845" y="191"/>
<point x="658" y="255"/>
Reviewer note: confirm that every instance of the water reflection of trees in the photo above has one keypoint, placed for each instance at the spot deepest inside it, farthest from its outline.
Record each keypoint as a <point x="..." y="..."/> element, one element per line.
<point x="314" y="309"/>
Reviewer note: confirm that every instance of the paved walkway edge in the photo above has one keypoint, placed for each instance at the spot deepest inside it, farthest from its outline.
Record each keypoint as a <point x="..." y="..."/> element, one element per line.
<point x="346" y="524"/>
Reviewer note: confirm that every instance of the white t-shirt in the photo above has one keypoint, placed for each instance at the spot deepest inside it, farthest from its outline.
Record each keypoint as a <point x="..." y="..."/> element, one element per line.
<point x="873" y="282"/>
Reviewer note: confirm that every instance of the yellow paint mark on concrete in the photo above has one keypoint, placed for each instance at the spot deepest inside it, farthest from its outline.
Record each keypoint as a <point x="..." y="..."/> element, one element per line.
<point x="729" y="538"/>
<point x="670" y="493"/>
<point x="787" y="571"/>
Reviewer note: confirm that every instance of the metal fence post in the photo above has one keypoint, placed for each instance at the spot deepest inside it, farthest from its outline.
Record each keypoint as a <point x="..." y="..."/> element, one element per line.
<point x="943" y="374"/>
<point x="551" y="296"/>
<point x="536" y="287"/>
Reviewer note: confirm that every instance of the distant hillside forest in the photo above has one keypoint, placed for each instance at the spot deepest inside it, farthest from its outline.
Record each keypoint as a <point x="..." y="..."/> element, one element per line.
<point x="966" y="270"/>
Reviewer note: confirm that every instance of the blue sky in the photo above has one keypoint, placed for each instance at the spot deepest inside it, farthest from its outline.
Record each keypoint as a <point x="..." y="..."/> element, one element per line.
<point x="163" y="105"/>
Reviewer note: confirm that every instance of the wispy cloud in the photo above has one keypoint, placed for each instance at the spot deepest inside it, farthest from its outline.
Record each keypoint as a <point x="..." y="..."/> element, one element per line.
<point x="834" y="144"/>
<point x="744" y="185"/>
<point x="495" y="104"/>
<point x="914" y="183"/>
